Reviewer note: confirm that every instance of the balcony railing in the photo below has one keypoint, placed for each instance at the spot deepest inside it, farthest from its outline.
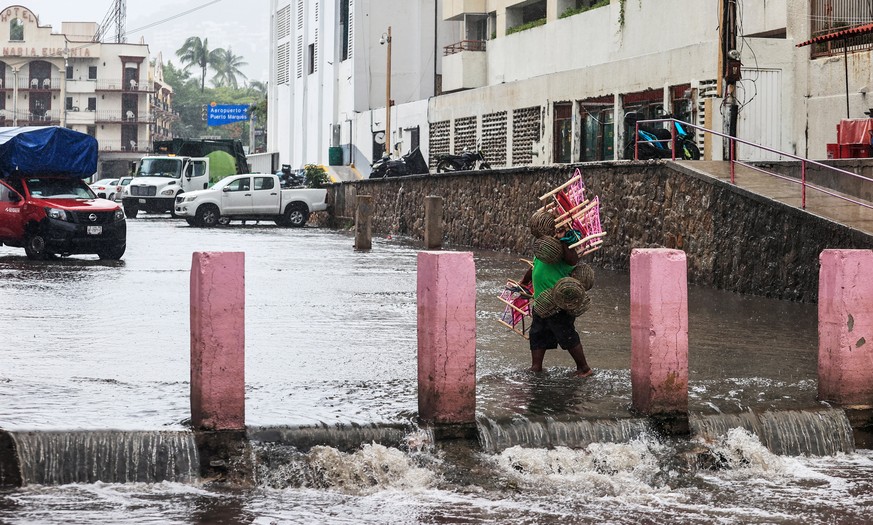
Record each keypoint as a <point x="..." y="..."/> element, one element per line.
<point x="33" y="84"/>
<point x="131" y="86"/>
<point x="42" y="118"/>
<point x="119" y="116"/>
<point x="117" y="145"/>
<point x="464" y="45"/>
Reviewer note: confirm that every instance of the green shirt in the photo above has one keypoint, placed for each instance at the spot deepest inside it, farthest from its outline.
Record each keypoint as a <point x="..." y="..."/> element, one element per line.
<point x="545" y="275"/>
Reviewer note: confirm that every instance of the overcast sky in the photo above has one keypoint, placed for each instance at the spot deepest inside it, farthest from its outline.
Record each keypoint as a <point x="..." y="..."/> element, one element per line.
<point x="243" y="26"/>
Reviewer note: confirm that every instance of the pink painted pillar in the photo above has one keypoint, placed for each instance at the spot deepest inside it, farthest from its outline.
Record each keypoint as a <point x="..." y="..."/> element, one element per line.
<point x="659" y="331"/>
<point x="446" y="337"/>
<point x="845" y="327"/>
<point x="218" y="340"/>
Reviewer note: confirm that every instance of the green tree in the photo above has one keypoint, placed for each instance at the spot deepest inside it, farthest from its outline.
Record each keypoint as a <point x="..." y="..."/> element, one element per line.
<point x="196" y="52"/>
<point x="227" y="68"/>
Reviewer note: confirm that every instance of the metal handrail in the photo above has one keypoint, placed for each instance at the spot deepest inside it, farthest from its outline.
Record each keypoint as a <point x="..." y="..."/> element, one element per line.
<point x="804" y="162"/>
<point x="464" y="45"/>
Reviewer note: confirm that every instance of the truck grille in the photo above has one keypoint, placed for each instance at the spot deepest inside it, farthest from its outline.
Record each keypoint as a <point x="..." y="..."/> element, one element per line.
<point x="143" y="191"/>
<point x="101" y="217"/>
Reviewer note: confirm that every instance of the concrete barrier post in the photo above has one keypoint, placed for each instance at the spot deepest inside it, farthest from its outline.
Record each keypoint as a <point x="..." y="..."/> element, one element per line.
<point x="218" y="340"/>
<point x="433" y="222"/>
<point x="659" y="335"/>
<point x="446" y="337"/>
<point x="363" y="222"/>
<point x="845" y="327"/>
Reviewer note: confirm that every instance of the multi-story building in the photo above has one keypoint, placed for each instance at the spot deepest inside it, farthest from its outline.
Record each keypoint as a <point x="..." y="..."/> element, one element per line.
<point x="68" y="79"/>
<point x="550" y="81"/>
<point x="328" y="82"/>
<point x="161" y="102"/>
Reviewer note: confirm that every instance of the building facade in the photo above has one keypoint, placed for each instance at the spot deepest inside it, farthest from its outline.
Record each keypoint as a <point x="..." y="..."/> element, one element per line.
<point x="550" y="81"/>
<point x="67" y="79"/>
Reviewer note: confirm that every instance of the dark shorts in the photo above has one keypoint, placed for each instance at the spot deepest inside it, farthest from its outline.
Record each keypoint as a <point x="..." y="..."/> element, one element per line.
<point x="548" y="333"/>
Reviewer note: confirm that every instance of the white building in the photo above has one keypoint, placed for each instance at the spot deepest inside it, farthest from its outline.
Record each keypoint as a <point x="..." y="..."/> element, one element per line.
<point x="328" y="84"/>
<point x="546" y="81"/>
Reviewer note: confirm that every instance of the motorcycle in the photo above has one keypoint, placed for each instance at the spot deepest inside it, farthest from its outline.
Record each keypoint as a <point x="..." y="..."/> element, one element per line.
<point x="655" y="143"/>
<point x="412" y="163"/>
<point x="466" y="160"/>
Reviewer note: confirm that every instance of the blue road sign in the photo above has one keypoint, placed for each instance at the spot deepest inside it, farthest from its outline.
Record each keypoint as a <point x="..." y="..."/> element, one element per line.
<point x="219" y="115"/>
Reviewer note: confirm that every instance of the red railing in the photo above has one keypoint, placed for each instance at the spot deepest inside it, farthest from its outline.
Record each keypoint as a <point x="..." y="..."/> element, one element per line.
<point x="804" y="162"/>
<point x="464" y="45"/>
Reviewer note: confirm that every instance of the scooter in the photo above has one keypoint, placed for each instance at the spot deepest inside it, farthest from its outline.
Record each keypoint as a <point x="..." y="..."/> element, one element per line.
<point x="412" y="163"/>
<point x="654" y="143"/>
<point x="466" y="160"/>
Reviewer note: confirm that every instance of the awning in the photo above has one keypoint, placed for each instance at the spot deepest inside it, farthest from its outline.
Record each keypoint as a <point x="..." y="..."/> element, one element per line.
<point x="854" y="31"/>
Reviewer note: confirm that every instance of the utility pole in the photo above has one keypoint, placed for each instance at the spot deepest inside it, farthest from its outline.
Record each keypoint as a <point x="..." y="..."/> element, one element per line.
<point x="388" y="95"/>
<point x="730" y="61"/>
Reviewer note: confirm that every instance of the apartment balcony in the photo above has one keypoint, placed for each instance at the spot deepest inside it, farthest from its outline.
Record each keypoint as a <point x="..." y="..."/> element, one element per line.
<point x="123" y="117"/>
<point x="34" y="84"/>
<point x="50" y="117"/>
<point x="118" y="145"/>
<point x="456" y="9"/>
<point x="465" y="66"/>
<point x="125" y="86"/>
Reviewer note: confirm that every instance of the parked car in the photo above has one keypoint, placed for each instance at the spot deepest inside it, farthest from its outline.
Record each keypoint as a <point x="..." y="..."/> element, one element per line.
<point x="105" y="188"/>
<point x="122" y="183"/>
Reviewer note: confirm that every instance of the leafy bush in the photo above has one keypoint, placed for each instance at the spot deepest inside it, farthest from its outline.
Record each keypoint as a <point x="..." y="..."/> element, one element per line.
<point x="576" y="10"/>
<point x="529" y="25"/>
<point x="315" y="175"/>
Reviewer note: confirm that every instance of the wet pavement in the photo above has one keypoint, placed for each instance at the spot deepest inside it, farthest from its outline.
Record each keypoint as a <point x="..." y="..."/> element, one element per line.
<point x="330" y="337"/>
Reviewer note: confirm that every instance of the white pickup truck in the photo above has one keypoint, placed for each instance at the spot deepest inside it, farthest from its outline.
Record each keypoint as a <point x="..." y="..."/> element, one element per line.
<point x="253" y="196"/>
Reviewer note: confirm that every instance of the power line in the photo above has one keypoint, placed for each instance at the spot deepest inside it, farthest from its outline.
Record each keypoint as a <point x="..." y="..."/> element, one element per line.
<point x="171" y="18"/>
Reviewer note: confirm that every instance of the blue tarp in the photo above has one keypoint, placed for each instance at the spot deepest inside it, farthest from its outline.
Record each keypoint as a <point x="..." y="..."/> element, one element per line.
<point x="47" y="150"/>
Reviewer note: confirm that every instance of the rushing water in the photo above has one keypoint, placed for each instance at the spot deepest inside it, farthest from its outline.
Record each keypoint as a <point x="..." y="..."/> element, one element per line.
<point x="330" y="334"/>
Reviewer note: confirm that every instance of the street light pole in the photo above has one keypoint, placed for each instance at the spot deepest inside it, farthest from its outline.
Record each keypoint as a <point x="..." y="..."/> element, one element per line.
<point x="388" y="98"/>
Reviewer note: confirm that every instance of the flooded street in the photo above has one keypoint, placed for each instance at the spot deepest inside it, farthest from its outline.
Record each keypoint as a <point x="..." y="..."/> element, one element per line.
<point x="331" y="339"/>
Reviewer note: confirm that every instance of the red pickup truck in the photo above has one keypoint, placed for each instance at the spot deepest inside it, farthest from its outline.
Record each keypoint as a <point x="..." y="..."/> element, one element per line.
<point x="45" y="206"/>
<point x="59" y="215"/>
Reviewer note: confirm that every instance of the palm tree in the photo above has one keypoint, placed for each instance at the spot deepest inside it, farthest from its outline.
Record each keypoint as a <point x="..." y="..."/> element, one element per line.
<point x="227" y="68"/>
<point x="196" y="52"/>
<point x="258" y="87"/>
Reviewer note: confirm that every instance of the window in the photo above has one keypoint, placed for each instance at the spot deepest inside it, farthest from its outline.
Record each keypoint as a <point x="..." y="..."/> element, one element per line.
<point x="311" y="58"/>
<point x="92" y="103"/>
<point x="68" y="105"/>
<point x="92" y="72"/>
<point x="242" y="184"/>
<point x="69" y="72"/>
<point x="830" y="16"/>
<point x="7" y="195"/>
<point x="91" y="130"/>
<point x="16" y="30"/>
<point x="563" y="132"/>
<point x="345" y="31"/>
<point x="264" y="183"/>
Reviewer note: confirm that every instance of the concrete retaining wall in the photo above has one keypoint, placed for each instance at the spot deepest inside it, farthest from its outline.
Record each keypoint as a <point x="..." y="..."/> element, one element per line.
<point x="733" y="239"/>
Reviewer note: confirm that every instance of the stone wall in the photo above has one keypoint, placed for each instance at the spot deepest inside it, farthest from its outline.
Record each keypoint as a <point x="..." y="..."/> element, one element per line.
<point x="733" y="239"/>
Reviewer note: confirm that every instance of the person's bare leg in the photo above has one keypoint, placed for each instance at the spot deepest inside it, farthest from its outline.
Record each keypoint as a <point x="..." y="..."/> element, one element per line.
<point x="536" y="358"/>
<point x="578" y="355"/>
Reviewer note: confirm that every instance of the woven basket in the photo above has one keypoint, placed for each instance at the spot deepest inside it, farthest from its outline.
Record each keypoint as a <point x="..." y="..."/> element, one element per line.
<point x="568" y="294"/>
<point x="582" y="308"/>
<point x="548" y="249"/>
<point x="542" y="223"/>
<point x="583" y="273"/>
<point x="544" y="305"/>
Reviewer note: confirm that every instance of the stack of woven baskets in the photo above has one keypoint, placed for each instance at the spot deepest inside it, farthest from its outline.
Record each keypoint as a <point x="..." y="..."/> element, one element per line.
<point x="570" y="293"/>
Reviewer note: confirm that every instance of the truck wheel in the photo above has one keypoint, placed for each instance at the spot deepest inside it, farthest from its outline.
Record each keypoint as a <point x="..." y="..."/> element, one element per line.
<point x="35" y="247"/>
<point x="130" y="210"/>
<point x="296" y="215"/>
<point x="112" y="253"/>
<point x="207" y="216"/>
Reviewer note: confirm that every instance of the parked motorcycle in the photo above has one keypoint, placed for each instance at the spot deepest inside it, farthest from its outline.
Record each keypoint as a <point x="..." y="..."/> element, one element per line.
<point x="655" y="143"/>
<point x="412" y="163"/>
<point x="466" y="160"/>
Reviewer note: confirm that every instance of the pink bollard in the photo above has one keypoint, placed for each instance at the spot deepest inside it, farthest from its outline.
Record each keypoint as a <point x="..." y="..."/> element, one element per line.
<point x="218" y="340"/>
<point x="446" y="337"/>
<point x="845" y="327"/>
<point x="659" y="331"/>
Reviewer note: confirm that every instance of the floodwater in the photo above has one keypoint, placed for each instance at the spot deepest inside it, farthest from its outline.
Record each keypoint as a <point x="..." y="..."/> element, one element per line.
<point x="331" y="340"/>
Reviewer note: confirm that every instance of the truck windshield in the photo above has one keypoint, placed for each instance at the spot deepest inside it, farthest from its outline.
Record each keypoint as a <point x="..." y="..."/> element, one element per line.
<point x="160" y="168"/>
<point x="61" y="188"/>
